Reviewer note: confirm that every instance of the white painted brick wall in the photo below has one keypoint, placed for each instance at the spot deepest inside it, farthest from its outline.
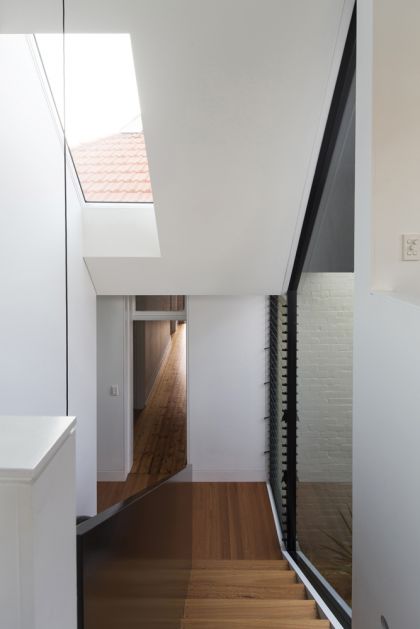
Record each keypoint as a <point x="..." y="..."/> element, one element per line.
<point x="325" y="362"/>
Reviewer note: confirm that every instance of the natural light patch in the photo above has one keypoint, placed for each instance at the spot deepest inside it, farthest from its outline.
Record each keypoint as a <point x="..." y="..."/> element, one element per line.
<point x="103" y="123"/>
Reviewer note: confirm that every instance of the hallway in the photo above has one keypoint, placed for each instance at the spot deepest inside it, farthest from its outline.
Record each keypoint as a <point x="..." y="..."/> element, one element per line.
<point x="160" y="429"/>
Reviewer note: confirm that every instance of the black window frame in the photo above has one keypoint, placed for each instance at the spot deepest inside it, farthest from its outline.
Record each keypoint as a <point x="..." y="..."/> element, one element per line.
<point x="342" y="89"/>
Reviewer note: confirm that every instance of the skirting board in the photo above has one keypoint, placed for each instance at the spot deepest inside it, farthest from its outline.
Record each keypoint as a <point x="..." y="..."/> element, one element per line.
<point x="111" y="477"/>
<point x="229" y="476"/>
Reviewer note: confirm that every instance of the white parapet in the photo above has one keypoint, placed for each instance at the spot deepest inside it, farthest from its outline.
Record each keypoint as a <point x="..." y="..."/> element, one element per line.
<point x="37" y="523"/>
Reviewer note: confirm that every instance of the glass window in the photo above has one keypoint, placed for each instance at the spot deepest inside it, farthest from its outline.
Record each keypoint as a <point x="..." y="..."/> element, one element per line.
<point x="104" y="128"/>
<point x="324" y="374"/>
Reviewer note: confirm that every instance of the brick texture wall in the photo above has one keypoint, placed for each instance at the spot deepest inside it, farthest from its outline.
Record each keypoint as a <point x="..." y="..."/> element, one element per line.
<point x="325" y="355"/>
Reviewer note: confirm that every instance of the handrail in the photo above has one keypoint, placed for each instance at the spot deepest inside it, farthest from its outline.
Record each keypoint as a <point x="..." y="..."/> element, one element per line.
<point x="134" y="559"/>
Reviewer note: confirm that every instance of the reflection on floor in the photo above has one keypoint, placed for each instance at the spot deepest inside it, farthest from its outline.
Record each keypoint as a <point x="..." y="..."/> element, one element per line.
<point x="238" y="580"/>
<point x="159" y="430"/>
<point x="324" y="530"/>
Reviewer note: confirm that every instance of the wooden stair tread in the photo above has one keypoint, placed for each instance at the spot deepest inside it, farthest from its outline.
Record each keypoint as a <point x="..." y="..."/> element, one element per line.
<point x="248" y="609"/>
<point x="293" y="591"/>
<point x="246" y="577"/>
<point x="240" y="564"/>
<point x="297" y="623"/>
<point x="245" y="584"/>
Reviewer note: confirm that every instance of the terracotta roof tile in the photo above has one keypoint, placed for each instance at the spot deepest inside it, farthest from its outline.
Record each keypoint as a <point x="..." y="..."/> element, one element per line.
<point x="114" y="169"/>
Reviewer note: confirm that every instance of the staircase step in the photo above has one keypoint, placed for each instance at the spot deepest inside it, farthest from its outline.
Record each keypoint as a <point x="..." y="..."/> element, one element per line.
<point x="256" y="624"/>
<point x="245" y="577"/>
<point x="240" y="564"/>
<point x="249" y="609"/>
<point x="294" y="591"/>
<point x="245" y="584"/>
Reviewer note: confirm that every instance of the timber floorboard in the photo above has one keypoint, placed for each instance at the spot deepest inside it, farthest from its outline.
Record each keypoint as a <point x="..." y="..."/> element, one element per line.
<point x="160" y="430"/>
<point x="233" y="521"/>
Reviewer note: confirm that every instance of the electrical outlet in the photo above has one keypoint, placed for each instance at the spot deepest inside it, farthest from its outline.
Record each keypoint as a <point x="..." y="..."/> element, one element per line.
<point x="411" y="247"/>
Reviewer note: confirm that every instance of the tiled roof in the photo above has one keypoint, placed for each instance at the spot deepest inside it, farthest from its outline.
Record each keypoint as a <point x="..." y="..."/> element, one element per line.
<point x="114" y="169"/>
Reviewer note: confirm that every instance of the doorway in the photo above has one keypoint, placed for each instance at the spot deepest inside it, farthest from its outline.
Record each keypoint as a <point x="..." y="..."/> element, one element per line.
<point x="156" y="420"/>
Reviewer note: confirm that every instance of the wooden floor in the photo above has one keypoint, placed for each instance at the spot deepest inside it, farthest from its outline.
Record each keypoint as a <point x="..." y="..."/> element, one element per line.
<point x="160" y="430"/>
<point x="233" y="521"/>
<point x="239" y="579"/>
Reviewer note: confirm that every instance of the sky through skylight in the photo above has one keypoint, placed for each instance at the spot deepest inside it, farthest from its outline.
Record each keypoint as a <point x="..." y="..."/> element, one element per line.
<point x="101" y="87"/>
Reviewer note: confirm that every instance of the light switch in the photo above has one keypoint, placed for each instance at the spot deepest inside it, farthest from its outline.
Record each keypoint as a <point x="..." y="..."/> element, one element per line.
<point x="411" y="247"/>
<point x="115" y="391"/>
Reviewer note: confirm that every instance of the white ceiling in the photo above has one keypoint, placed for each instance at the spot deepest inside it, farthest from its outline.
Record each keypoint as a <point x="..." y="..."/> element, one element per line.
<point x="234" y="97"/>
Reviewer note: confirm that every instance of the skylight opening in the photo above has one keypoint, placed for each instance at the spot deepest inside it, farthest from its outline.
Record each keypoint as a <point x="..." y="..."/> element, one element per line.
<point x="104" y="129"/>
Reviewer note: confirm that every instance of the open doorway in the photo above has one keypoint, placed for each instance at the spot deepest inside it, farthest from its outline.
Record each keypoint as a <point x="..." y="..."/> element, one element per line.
<point x="155" y="392"/>
<point x="159" y="399"/>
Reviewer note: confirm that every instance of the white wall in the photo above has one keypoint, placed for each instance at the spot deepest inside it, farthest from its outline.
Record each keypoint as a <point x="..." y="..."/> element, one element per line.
<point x="29" y="16"/>
<point x="386" y="512"/>
<point x="325" y="377"/>
<point x="396" y="143"/>
<point x="120" y="230"/>
<point x="226" y="393"/>
<point x="32" y="334"/>
<point x="32" y="272"/>
<point x="115" y="413"/>
<point x="82" y="358"/>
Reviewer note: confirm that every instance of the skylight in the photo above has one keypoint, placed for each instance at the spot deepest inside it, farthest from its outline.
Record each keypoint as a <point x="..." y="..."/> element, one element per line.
<point x="103" y="117"/>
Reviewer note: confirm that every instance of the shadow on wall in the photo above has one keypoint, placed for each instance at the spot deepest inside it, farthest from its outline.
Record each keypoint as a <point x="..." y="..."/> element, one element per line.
<point x="151" y="343"/>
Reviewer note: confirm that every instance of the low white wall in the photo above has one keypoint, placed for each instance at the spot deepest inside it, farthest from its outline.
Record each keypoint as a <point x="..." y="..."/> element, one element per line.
<point x="325" y="377"/>
<point x="226" y="393"/>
